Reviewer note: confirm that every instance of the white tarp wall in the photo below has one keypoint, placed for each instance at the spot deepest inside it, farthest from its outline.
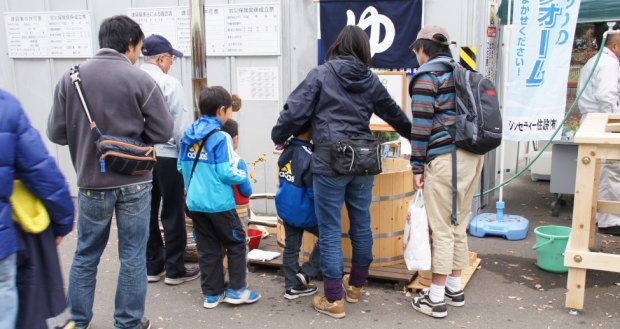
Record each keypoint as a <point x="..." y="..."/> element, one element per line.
<point x="33" y="80"/>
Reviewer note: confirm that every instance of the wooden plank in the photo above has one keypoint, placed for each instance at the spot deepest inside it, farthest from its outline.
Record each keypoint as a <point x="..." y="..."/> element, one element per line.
<point x="613" y="127"/>
<point x="611" y="207"/>
<point x="584" y="204"/>
<point x="575" y="288"/>
<point x="398" y="273"/>
<point x="592" y="260"/>
<point x="594" y="129"/>
<point x="592" y="224"/>
<point x="584" y="196"/>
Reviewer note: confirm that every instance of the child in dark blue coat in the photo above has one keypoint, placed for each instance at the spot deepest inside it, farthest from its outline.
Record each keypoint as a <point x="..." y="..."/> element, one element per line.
<point x="295" y="205"/>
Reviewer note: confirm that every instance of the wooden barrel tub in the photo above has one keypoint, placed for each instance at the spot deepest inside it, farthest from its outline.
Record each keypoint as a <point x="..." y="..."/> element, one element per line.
<point x="391" y="193"/>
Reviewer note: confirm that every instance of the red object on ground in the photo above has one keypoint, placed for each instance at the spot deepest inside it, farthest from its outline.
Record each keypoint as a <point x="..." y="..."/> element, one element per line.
<point x="254" y="237"/>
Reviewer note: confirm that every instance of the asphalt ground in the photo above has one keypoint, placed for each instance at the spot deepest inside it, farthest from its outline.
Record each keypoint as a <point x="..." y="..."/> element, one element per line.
<point x="507" y="291"/>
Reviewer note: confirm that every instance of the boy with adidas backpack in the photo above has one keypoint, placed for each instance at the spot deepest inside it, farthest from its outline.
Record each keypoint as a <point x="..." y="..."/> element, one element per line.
<point x="449" y="135"/>
<point x="295" y="205"/>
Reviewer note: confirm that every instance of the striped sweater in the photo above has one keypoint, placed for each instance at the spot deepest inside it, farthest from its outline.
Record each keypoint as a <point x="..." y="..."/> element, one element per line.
<point x="433" y="106"/>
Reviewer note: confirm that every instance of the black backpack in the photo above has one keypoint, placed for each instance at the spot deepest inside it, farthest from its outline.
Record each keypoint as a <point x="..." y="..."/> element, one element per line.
<point x="478" y="125"/>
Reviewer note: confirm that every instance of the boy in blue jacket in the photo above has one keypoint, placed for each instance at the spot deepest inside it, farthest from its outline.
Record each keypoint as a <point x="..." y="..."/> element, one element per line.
<point x="207" y="165"/>
<point x="295" y="205"/>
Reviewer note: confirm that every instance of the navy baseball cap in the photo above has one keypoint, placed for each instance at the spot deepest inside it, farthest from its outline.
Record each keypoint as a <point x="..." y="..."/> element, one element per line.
<point x="155" y="44"/>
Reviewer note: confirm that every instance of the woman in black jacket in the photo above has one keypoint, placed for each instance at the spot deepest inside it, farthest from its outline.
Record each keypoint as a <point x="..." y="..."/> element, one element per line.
<point x="338" y="98"/>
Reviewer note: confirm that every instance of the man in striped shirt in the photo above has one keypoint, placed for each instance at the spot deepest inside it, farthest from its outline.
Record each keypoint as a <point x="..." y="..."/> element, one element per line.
<point x="434" y="109"/>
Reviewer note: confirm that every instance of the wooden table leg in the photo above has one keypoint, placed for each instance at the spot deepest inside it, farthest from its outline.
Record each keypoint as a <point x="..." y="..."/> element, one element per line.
<point x="584" y="207"/>
<point x="576" y="287"/>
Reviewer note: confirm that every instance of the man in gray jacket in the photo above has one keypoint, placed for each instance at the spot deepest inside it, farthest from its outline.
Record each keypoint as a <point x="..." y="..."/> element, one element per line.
<point x="124" y="101"/>
<point x="168" y="185"/>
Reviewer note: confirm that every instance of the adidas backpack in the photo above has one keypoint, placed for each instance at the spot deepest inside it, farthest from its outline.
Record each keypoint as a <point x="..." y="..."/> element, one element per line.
<point x="478" y="125"/>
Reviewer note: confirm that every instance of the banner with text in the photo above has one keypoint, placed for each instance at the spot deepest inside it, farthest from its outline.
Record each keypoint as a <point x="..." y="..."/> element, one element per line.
<point x="540" y="52"/>
<point x="392" y="25"/>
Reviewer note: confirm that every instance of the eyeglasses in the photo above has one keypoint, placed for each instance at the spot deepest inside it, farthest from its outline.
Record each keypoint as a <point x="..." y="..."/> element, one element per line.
<point x="172" y="57"/>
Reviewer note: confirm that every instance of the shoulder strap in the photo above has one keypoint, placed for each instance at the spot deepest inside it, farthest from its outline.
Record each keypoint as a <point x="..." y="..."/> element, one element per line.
<point x="454" y="216"/>
<point x="439" y="66"/>
<point x="77" y="83"/>
<point x="204" y="140"/>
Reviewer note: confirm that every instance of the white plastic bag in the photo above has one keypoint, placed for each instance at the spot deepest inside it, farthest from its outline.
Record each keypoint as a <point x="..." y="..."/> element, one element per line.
<point x="416" y="244"/>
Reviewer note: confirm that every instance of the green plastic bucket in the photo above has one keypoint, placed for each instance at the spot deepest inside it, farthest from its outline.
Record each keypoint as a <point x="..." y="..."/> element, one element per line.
<point x="550" y="244"/>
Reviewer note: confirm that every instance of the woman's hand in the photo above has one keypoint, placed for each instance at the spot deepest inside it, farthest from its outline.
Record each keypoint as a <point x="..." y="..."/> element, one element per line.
<point x="418" y="181"/>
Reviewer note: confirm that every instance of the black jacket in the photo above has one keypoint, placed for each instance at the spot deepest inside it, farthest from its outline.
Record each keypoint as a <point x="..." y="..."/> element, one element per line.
<point x="338" y="98"/>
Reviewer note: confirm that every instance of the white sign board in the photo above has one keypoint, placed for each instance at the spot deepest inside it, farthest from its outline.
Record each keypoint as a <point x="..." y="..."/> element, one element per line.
<point x="258" y="83"/>
<point x="539" y="57"/>
<point x="170" y="22"/>
<point x="243" y="30"/>
<point x="49" y="34"/>
<point x="395" y="83"/>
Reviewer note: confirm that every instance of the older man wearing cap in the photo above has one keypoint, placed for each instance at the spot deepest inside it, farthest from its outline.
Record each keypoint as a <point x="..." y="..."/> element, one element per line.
<point x="167" y="182"/>
<point x="433" y="107"/>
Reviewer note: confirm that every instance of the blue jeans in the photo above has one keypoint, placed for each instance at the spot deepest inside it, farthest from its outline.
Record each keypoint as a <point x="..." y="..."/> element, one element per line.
<point x="8" y="292"/>
<point x="132" y="205"/>
<point x="290" y="257"/>
<point x="329" y="195"/>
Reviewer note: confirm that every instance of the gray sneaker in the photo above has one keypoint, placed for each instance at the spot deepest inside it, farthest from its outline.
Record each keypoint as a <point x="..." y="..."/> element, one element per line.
<point x="191" y="273"/>
<point x="456" y="298"/>
<point x="153" y="278"/>
<point x="423" y="304"/>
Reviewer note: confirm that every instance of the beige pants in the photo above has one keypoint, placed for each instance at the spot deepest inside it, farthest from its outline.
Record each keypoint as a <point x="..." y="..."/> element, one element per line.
<point x="449" y="247"/>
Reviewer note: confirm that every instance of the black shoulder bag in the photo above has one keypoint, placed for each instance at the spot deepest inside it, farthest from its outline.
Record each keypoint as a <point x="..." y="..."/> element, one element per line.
<point x="356" y="156"/>
<point x="123" y="155"/>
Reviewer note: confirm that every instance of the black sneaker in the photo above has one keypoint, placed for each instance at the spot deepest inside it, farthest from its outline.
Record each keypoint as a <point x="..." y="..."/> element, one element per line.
<point x="423" y="304"/>
<point x="299" y="291"/>
<point x="303" y="278"/>
<point x="190" y="274"/>
<point x="456" y="298"/>
<point x="145" y="324"/>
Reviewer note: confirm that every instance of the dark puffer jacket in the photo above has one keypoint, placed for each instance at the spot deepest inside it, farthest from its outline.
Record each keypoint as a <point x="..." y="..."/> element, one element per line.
<point x="338" y="97"/>
<point x="24" y="157"/>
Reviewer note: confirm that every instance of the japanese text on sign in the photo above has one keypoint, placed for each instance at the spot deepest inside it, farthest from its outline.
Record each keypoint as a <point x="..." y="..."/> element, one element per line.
<point x="258" y="83"/>
<point x="533" y="125"/>
<point x="539" y="57"/>
<point x="49" y="34"/>
<point x="243" y="30"/>
<point x="549" y="14"/>
<point x="170" y="22"/>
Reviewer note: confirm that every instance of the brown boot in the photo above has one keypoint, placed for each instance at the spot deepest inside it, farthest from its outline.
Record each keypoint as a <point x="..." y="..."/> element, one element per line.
<point x="335" y="309"/>
<point x="352" y="293"/>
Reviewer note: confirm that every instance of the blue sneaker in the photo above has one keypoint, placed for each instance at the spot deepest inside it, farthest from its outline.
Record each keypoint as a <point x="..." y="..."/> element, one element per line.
<point x="242" y="296"/>
<point x="213" y="301"/>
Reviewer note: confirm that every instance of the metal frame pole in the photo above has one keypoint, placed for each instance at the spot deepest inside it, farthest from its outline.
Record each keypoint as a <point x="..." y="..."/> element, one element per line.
<point x="199" y="51"/>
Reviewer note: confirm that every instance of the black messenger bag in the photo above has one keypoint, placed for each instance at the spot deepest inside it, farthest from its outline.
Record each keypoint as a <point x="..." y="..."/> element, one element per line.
<point x="123" y="155"/>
